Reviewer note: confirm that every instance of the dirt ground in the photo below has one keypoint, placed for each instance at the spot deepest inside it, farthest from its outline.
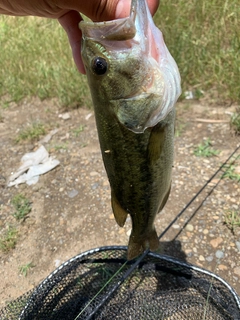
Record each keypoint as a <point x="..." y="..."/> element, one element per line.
<point x="71" y="210"/>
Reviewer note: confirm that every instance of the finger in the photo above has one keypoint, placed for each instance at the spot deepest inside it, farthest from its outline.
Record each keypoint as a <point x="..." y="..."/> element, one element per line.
<point x="70" y="21"/>
<point x="153" y="5"/>
<point x="102" y="10"/>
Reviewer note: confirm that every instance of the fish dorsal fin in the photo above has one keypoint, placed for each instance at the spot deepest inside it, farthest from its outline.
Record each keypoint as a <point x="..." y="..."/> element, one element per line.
<point x="119" y="213"/>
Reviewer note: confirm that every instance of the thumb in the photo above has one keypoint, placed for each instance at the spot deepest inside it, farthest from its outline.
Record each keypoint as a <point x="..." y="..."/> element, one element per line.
<point x="70" y="21"/>
<point x="97" y="10"/>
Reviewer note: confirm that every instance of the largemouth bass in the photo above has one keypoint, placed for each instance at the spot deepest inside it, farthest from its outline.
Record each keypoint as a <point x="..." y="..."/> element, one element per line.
<point x="134" y="84"/>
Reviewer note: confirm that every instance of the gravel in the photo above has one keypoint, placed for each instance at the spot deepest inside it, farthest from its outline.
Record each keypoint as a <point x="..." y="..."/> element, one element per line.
<point x="71" y="208"/>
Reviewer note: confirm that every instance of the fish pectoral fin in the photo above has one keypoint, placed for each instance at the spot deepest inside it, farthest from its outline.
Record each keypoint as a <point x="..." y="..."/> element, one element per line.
<point x="119" y="213"/>
<point x="137" y="245"/>
<point x="155" y="144"/>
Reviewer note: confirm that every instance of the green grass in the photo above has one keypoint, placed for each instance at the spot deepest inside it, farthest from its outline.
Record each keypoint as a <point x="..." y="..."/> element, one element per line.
<point x="9" y="239"/>
<point x="203" y="36"/>
<point x="36" y="60"/>
<point x="232" y="219"/>
<point x="24" y="269"/>
<point x="230" y="173"/>
<point x="31" y="132"/>
<point x="179" y="127"/>
<point x="22" y="206"/>
<point x="205" y="150"/>
<point x="235" y="122"/>
<point x="63" y="146"/>
<point x="78" y="130"/>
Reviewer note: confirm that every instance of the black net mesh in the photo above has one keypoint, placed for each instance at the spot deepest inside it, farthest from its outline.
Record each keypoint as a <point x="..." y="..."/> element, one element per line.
<point x="160" y="287"/>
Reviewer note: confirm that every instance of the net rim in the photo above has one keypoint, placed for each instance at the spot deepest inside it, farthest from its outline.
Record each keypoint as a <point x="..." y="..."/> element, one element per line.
<point x="124" y="248"/>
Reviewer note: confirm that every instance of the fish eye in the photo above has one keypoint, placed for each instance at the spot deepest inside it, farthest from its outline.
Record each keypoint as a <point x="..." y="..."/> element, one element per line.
<point x="99" y="66"/>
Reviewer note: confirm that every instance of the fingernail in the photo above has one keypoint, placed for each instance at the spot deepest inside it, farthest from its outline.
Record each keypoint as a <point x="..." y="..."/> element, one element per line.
<point x="123" y="9"/>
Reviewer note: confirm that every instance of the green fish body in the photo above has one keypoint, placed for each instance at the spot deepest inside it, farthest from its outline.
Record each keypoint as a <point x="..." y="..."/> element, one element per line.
<point x="134" y="84"/>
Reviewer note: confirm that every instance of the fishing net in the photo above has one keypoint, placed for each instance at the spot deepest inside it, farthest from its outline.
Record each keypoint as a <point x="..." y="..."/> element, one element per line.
<point x="102" y="284"/>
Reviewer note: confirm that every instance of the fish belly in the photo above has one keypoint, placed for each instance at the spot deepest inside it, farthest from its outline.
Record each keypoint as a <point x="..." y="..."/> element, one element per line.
<point x="139" y="170"/>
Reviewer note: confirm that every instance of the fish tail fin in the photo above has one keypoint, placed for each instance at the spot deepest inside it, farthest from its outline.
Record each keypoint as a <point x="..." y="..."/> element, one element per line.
<point x="137" y="245"/>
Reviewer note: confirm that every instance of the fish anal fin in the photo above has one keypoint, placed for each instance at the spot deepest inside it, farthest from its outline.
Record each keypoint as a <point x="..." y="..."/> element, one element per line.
<point x="137" y="245"/>
<point x="165" y="199"/>
<point x="119" y="213"/>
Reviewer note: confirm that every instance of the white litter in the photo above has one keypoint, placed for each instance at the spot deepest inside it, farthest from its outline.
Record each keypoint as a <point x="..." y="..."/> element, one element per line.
<point x="65" y="116"/>
<point x="189" y="95"/>
<point x="33" y="165"/>
<point x="88" y="116"/>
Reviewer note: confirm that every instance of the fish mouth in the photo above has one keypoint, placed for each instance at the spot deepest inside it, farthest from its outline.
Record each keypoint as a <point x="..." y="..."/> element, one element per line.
<point x="136" y="26"/>
<point x="115" y="30"/>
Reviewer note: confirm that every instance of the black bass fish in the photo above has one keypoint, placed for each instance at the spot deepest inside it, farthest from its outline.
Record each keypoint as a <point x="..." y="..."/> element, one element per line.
<point x="134" y="84"/>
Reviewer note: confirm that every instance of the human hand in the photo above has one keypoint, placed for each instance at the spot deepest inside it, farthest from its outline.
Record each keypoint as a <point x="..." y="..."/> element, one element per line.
<point x="67" y="13"/>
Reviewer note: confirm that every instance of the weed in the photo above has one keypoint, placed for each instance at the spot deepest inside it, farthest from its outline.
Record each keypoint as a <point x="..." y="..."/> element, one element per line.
<point x="31" y="133"/>
<point x="25" y="268"/>
<point x="179" y="128"/>
<point x="78" y="130"/>
<point x="9" y="239"/>
<point x="235" y="122"/>
<point x="62" y="146"/>
<point x="198" y="94"/>
<point x="230" y="173"/>
<point x="232" y="219"/>
<point x="5" y="104"/>
<point x="204" y="149"/>
<point x="22" y="206"/>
